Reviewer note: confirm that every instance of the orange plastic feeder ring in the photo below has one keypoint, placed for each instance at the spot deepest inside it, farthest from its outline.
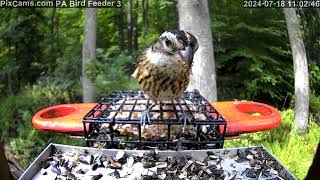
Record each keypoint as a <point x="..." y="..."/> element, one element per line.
<point x="247" y="116"/>
<point x="64" y="118"/>
<point x="242" y="117"/>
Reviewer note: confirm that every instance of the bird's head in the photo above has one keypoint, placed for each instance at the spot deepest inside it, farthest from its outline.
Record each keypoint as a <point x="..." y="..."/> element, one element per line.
<point x="180" y="42"/>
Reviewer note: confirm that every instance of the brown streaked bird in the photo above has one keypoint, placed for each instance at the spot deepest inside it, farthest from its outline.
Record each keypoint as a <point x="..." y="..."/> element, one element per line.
<point x="163" y="70"/>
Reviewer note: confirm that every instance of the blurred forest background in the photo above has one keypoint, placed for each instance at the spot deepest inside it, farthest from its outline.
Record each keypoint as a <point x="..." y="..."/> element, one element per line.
<point x="40" y="65"/>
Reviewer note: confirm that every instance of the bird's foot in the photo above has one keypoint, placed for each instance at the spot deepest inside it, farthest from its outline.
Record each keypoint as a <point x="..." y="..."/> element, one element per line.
<point x="185" y="118"/>
<point x="145" y="118"/>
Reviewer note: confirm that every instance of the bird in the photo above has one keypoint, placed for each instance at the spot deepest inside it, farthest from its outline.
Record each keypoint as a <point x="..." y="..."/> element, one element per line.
<point x="163" y="69"/>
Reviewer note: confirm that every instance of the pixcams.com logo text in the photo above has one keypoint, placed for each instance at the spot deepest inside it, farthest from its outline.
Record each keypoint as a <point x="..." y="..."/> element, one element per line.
<point x="61" y="3"/>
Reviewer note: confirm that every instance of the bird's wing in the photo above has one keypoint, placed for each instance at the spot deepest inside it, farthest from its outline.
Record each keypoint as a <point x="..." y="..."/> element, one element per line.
<point x="141" y="59"/>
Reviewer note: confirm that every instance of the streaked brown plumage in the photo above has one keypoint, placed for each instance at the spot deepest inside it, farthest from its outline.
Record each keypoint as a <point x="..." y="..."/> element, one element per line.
<point x="162" y="82"/>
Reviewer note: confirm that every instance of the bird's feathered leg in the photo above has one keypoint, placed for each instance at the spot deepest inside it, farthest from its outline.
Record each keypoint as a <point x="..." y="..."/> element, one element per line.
<point x="146" y="114"/>
<point x="184" y="116"/>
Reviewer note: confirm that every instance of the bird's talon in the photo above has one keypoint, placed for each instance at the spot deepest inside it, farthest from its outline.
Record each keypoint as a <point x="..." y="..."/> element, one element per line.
<point x="145" y="118"/>
<point x="184" y="117"/>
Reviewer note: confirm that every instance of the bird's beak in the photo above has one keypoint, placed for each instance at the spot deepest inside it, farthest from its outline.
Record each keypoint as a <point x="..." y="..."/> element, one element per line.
<point x="187" y="55"/>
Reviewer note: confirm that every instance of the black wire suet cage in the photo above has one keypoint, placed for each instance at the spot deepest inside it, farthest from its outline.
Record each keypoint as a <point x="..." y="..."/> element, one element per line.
<point x="115" y="122"/>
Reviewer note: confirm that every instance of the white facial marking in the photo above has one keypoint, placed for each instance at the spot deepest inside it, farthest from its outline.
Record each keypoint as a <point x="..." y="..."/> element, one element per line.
<point x="169" y="35"/>
<point x="172" y="37"/>
<point x="161" y="58"/>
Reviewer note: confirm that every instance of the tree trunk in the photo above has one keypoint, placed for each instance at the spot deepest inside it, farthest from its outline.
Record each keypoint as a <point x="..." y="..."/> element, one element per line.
<point x="301" y="79"/>
<point x="147" y="8"/>
<point x="16" y="78"/>
<point x="15" y="169"/>
<point x="318" y="12"/>
<point x="135" y="27"/>
<point x="58" y="49"/>
<point x="144" y="13"/>
<point x="129" y="21"/>
<point x="53" y="38"/>
<point x="194" y="18"/>
<point x="88" y="52"/>
<point x="120" y="28"/>
<point x="4" y="166"/>
<point x="10" y="70"/>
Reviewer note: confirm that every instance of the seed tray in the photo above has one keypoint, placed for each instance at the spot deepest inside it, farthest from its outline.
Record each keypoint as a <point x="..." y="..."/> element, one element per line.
<point x="233" y="163"/>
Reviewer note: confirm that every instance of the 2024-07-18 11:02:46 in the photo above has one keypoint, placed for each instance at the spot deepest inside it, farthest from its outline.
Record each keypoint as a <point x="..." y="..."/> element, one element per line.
<point x="281" y="4"/>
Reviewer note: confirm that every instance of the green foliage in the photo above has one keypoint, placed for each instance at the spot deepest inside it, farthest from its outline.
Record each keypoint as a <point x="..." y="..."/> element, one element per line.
<point x="252" y="53"/>
<point x="16" y="113"/>
<point x="162" y="15"/>
<point x="314" y="78"/>
<point x="110" y="72"/>
<point x="66" y="75"/>
<point x="314" y="102"/>
<point x="295" y="152"/>
<point x="310" y="25"/>
<point x="314" y="81"/>
<point x="106" y="32"/>
<point x="21" y="38"/>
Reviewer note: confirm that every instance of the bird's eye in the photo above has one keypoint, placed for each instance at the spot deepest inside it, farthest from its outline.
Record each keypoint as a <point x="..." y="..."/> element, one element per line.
<point x="168" y="42"/>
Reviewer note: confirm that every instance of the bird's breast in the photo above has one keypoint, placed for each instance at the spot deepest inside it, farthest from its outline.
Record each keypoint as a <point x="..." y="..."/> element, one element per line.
<point x="162" y="81"/>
